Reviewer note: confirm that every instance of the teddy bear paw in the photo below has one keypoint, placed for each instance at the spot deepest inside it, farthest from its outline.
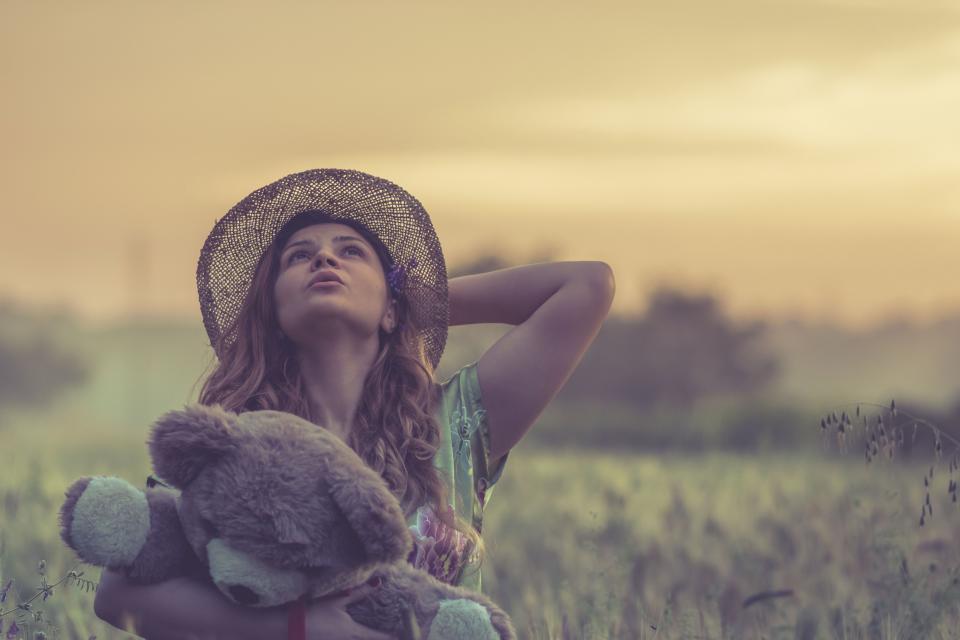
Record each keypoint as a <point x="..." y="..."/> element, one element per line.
<point x="105" y="520"/>
<point x="462" y="619"/>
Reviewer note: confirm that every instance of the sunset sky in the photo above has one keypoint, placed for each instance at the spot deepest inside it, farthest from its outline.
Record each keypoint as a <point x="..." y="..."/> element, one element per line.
<point x="795" y="157"/>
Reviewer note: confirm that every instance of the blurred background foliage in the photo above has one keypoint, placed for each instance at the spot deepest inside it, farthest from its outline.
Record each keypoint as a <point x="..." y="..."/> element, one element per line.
<point x="681" y="375"/>
<point x="678" y="472"/>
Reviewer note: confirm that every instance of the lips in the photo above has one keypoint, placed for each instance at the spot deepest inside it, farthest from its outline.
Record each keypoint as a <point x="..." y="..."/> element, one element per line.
<point x="325" y="276"/>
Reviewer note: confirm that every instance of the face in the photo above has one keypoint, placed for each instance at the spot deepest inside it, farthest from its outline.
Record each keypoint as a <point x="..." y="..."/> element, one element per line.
<point x="362" y="301"/>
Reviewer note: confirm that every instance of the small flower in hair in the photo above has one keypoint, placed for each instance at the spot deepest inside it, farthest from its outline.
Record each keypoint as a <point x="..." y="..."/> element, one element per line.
<point x="397" y="276"/>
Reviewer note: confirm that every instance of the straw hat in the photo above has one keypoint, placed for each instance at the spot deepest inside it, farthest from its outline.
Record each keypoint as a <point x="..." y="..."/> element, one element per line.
<point x="387" y="215"/>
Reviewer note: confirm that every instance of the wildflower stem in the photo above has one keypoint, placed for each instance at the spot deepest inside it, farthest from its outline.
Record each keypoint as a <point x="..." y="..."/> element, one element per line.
<point x="937" y="431"/>
<point x="42" y="590"/>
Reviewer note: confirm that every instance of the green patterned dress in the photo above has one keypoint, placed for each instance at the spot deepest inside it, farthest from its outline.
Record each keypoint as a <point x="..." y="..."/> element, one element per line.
<point x="462" y="460"/>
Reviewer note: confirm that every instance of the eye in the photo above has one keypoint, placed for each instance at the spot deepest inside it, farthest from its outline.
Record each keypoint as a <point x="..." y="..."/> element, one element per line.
<point x="303" y="252"/>
<point x="295" y="254"/>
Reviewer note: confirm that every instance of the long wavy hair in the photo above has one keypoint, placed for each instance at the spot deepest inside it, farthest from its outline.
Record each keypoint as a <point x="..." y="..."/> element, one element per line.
<point x="395" y="431"/>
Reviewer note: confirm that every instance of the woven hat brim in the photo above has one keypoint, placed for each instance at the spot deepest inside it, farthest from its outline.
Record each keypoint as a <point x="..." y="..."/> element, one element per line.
<point x="233" y="249"/>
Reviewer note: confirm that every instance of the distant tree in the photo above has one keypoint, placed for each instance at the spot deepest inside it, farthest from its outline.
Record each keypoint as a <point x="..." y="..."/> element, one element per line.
<point x="33" y="368"/>
<point x="682" y="349"/>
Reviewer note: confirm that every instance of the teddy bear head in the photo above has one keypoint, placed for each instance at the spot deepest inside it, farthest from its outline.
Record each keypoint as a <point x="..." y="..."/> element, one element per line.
<point x="275" y="506"/>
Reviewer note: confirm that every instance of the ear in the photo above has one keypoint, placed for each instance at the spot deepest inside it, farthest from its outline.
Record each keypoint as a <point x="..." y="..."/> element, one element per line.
<point x="372" y="511"/>
<point x="389" y="322"/>
<point x="184" y="442"/>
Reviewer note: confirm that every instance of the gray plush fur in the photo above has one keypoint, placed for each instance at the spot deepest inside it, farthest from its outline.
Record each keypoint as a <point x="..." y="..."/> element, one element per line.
<point x="271" y="508"/>
<point x="102" y="505"/>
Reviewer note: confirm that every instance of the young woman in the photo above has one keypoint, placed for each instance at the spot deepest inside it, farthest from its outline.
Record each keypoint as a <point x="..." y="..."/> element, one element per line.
<point x="325" y="294"/>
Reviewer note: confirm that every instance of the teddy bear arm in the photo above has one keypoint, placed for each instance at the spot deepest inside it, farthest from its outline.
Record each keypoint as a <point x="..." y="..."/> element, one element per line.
<point x="459" y="613"/>
<point x="105" y="520"/>
<point x="110" y="523"/>
<point x="473" y="617"/>
<point x="410" y="601"/>
<point x="167" y="552"/>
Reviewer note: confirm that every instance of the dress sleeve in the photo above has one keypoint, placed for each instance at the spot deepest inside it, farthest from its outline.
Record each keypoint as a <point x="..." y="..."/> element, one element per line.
<point x="464" y="455"/>
<point x="484" y="476"/>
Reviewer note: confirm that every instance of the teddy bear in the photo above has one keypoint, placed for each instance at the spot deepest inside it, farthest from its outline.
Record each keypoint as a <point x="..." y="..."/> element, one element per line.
<point x="274" y="510"/>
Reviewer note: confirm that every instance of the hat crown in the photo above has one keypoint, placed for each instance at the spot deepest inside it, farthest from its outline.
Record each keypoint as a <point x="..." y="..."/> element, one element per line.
<point x="234" y="247"/>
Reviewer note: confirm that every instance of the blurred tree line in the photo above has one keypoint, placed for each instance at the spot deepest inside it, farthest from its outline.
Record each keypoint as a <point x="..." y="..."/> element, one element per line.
<point x="35" y="364"/>
<point x="682" y="349"/>
<point x="682" y="374"/>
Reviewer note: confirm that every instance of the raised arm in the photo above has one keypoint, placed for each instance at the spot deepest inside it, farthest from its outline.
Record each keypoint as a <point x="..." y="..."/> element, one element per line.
<point x="558" y="308"/>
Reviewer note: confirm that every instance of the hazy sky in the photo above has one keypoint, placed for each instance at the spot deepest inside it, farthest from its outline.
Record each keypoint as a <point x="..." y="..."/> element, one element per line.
<point x="796" y="156"/>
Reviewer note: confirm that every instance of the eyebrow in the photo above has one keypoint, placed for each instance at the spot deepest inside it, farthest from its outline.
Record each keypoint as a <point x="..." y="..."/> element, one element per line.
<point x="310" y="242"/>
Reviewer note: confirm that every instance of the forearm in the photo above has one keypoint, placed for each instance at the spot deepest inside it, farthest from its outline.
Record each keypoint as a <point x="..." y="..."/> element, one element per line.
<point x="511" y="295"/>
<point x="183" y="608"/>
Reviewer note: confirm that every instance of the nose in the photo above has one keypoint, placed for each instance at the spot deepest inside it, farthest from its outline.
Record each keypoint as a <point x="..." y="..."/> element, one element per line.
<point x="243" y="595"/>
<point x="320" y="257"/>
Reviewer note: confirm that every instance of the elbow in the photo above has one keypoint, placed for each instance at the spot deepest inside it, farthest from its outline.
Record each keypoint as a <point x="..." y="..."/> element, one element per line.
<point x="601" y="283"/>
<point x="608" y="282"/>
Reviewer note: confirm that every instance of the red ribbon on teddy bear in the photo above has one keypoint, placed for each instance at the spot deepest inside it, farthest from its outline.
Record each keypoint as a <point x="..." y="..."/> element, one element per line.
<point x="297" y="611"/>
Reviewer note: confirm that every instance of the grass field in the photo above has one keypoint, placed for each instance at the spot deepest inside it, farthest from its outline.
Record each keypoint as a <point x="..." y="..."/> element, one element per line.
<point x="598" y="546"/>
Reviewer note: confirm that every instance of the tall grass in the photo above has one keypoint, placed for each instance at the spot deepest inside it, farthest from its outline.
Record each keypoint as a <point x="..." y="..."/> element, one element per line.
<point x="593" y="545"/>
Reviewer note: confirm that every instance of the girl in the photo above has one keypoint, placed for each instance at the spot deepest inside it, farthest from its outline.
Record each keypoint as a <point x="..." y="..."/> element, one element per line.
<point x="325" y="294"/>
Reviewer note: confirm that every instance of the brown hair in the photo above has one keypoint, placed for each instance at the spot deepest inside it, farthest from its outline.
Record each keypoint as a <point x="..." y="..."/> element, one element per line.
<point x="395" y="431"/>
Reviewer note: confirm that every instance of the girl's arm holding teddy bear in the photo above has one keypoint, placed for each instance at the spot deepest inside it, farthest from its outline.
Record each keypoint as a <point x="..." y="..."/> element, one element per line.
<point x="181" y="608"/>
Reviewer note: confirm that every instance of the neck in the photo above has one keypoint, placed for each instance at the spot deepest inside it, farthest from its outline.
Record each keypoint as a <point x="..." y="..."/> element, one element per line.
<point x="334" y="371"/>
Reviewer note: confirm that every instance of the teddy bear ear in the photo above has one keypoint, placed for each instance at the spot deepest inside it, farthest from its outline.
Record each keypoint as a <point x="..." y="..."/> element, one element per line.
<point x="184" y="442"/>
<point x="372" y="511"/>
